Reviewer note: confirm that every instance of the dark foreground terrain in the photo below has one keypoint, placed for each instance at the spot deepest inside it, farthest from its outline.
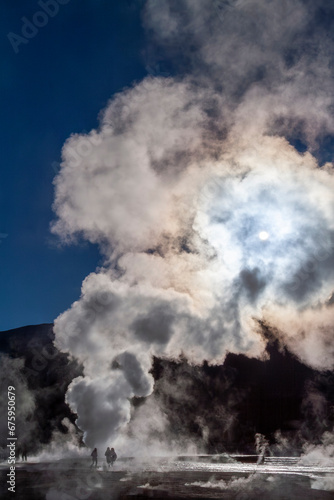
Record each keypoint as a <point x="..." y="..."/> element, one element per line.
<point x="172" y="479"/>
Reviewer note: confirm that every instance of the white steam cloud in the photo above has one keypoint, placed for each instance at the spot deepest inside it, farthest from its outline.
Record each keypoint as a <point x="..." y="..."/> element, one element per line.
<point x="207" y="216"/>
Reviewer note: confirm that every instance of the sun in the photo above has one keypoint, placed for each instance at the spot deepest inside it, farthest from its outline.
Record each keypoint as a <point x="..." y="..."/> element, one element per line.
<point x="263" y="235"/>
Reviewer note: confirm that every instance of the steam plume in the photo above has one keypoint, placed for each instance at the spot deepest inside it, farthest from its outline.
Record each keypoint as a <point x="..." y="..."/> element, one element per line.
<point x="207" y="215"/>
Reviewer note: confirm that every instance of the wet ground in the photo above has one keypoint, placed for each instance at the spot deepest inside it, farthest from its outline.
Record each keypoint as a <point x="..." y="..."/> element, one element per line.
<point x="206" y="477"/>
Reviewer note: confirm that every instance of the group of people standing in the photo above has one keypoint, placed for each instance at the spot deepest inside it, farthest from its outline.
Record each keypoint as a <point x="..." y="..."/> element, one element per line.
<point x="110" y="455"/>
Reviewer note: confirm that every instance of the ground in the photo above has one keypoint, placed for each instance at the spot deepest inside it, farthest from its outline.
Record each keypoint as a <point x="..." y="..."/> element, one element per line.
<point x="162" y="478"/>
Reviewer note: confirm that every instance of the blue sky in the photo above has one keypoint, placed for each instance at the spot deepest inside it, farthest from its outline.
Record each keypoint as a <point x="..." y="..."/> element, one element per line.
<point x="55" y="85"/>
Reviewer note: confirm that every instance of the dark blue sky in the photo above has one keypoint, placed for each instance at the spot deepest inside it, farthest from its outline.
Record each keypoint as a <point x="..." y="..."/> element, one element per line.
<point x="55" y="85"/>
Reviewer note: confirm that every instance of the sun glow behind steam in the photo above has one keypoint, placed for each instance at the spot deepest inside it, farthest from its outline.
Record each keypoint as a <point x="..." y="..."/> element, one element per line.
<point x="263" y="235"/>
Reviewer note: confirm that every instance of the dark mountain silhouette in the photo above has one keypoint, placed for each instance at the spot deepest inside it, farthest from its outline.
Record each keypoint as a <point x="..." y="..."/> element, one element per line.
<point x="46" y="373"/>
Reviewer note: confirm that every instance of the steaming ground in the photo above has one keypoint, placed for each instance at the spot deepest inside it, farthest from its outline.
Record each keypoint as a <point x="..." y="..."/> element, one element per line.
<point x="178" y="477"/>
<point x="209" y="218"/>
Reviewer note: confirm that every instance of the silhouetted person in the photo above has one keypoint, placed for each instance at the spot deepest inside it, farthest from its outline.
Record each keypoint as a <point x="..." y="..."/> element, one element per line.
<point x="113" y="456"/>
<point x="262" y="446"/>
<point x="94" y="457"/>
<point x="108" y="456"/>
<point x="24" y="452"/>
